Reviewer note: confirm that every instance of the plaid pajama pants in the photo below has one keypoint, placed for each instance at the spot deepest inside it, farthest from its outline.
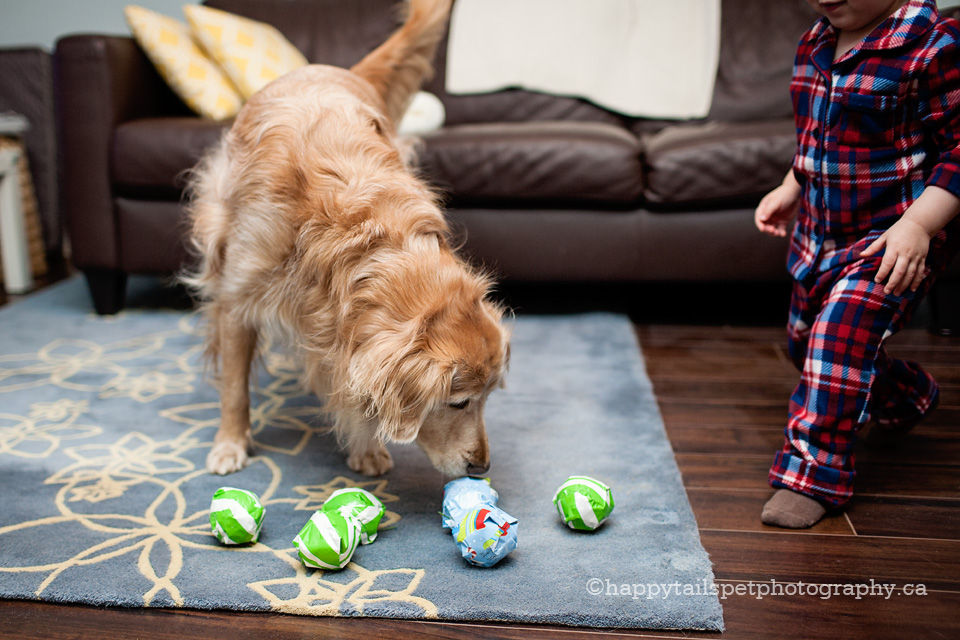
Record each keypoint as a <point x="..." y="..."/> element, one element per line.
<point x="838" y="322"/>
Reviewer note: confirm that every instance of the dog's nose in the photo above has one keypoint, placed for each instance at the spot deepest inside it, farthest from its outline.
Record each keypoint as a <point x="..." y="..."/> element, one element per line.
<point x="477" y="469"/>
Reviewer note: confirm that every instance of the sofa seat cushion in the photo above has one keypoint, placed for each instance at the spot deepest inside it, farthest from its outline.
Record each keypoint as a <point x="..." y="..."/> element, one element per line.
<point x="717" y="163"/>
<point x="149" y="155"/>
<point x="517" y="163"/>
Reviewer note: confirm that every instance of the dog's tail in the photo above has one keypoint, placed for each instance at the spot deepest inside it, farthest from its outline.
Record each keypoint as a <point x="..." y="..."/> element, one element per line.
<point x="398" y="67"/>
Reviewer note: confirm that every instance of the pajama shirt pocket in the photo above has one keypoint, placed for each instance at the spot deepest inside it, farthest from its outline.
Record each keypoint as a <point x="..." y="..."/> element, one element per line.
<point x="866" y="119"/>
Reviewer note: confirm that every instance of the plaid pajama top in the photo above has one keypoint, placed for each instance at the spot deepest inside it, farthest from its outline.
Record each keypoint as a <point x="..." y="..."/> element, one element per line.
<point x="874" y="129"/>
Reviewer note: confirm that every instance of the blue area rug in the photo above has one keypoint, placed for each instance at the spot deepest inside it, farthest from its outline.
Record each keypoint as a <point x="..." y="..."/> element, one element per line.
<point x="105" y="424"/>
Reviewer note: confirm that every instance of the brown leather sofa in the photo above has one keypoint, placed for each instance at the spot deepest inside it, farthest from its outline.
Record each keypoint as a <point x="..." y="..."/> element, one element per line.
<point x="541" y="188"/>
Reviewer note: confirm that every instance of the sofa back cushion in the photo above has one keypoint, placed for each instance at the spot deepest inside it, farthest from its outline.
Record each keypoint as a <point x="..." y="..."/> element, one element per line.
<point x="758" y="41"/>
<point x="716" y="164"/>
<point x="757" y="45"/>
<point x="334" y="32"/>
<point x="520" y="164"/>
<point x="342" y="32"/>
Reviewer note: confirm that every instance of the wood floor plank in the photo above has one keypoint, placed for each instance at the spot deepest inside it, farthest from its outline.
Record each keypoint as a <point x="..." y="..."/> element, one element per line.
<point x="716" y="353"/>
<point x="695" y="413"/>
<point x="934" y="445"/>
<point x="889" y="479"/>
<point x="834" y="559"/>
<point x="45" y="621"/>
<point x="914" y="338"/>
<point x="945" y="421"/>
<point x="712" y="351"/>
<point x="721" y="510"/>
<point x="732" y="473"/>
<point x="751" y="391"/>
<point x="747" y="618"/>
<point x="905" y="517"/>
<point x="663" y="334"/>
<point x="939" y="355"/>
<point x="699" y="370"/>
<point x="710" y="471"/>
<point x="919" y="338"/>
<point x="930" y="617"/>
<point x="733" y="441"/>
<point x="759" y="391"/>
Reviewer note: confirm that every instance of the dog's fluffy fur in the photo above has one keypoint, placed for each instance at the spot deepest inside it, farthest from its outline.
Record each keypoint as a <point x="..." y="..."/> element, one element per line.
<point x="309" y="224"/>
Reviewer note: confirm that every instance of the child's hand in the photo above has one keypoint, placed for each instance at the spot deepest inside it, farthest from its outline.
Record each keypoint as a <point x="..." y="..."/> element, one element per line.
<point x="778" y="208"/>
<point x="908" y="240"/>
<point x="904" y="262"/>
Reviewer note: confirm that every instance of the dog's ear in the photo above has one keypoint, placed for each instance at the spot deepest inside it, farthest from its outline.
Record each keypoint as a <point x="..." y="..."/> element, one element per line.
<point x="419" y="383"/>
<point x="400" y="384"/>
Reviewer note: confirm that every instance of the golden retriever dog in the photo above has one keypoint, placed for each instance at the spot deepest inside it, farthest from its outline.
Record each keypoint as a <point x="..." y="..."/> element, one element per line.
<point x="310" y="225"/>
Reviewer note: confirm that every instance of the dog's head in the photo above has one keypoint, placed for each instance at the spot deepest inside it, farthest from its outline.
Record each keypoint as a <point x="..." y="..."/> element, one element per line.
<point x="474" y="349"/>
<point x="432" y="378"/>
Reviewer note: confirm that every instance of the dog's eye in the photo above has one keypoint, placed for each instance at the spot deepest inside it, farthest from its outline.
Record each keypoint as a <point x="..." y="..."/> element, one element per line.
<point x="460" y="405"/>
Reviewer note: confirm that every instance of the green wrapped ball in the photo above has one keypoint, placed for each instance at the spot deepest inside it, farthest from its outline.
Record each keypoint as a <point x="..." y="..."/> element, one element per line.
<point x="583" y="502"/>
<point x="236" y="515"/>
<point x="362" y="505"/>
<point x="328" y="540"/>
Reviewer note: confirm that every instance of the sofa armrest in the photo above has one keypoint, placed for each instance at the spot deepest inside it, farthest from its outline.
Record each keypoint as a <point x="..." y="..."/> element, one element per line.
<point x="99" y="81"/>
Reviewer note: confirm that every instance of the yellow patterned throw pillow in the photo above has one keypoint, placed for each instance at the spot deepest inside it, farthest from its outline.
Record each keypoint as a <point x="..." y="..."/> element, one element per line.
<point x="199" y="82"/>
<point x="251" y="53"/>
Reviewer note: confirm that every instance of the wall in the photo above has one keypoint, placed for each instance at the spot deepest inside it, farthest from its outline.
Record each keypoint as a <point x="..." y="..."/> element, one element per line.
<point x="42" y="22"/>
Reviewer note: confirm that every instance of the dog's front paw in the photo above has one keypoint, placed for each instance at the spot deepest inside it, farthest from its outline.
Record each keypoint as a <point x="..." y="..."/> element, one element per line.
<point x="226" y="457"/>
<point x="371" y="463"/>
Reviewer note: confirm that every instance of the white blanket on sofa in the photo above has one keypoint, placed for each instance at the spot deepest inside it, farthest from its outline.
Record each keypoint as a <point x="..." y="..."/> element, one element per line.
<point x="650" y="58"/>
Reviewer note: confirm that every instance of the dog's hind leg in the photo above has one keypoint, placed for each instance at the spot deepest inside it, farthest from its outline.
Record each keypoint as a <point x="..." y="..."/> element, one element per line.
<point x="232" y="444"/>
<point x="366" y="454"/>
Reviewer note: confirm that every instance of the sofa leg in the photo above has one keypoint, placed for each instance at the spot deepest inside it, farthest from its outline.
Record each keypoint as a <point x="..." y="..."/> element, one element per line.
<point x="107" y="288"/>
<point x="945" y="308"/>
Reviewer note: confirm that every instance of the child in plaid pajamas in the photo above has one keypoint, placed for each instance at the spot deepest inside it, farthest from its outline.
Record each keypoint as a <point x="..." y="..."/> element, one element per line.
<point x="875" y="187"/>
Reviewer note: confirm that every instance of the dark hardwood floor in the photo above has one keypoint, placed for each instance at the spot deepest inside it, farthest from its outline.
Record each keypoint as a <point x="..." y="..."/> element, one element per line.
<point x="722" y="379"/>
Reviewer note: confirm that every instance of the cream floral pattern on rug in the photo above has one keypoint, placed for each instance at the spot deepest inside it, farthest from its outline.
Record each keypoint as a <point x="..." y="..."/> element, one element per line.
<point x="158" y="473"/>
<point x="105" y="425"/>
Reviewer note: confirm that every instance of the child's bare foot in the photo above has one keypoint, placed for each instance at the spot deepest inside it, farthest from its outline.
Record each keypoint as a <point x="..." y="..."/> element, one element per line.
<point x="792" y="510"/>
